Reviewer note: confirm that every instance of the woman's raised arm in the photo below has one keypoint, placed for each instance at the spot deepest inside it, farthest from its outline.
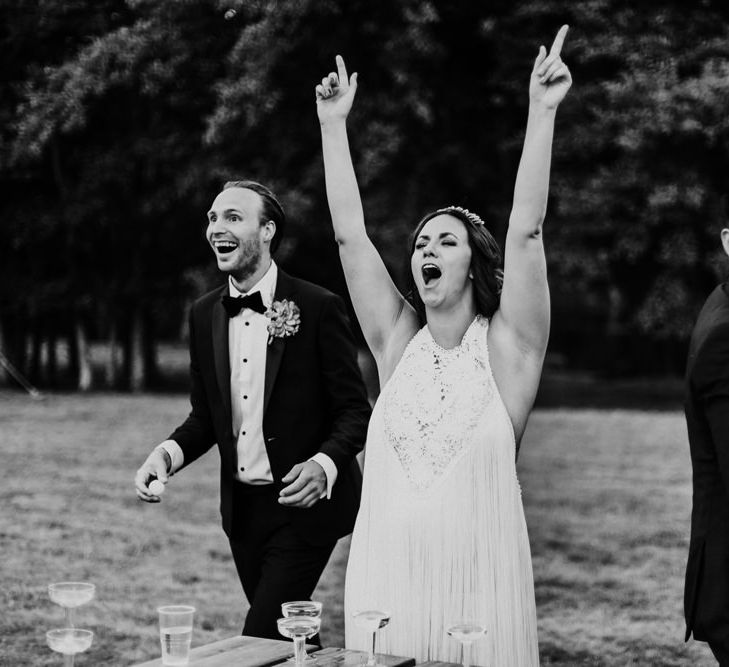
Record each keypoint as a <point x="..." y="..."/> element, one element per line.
<point x="377" y="302"/>
<point x="524" y="307"/>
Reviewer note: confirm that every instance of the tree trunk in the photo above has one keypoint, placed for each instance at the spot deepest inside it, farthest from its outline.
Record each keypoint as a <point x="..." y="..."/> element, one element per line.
<point x="4" y="377"/>
<point x="151" y="370"/>
<point x="136" y="352"/>
<point x="35" y="362"/>
<point x="111" y="371"/>
<point x="17" y="339"/>
<point x="73" y="360"/>
<point x="85" y="378"/>
<point x="52" y="358"/>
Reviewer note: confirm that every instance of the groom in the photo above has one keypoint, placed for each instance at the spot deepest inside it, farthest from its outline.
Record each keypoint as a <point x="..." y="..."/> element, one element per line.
<point x="706" y="595"/>
<point x="275" y="383"/>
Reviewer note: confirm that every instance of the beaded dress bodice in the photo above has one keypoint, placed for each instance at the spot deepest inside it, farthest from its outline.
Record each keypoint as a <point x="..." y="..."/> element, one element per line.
<point x="435" y="400"/>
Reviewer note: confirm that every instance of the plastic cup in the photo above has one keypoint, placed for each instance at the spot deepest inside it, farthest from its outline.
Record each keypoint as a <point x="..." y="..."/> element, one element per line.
<point x="175" y="633"/>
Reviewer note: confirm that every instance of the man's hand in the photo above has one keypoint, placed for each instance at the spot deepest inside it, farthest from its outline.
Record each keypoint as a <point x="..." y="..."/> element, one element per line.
<point x="306" y="484"/>
<point x="156" y="466"/>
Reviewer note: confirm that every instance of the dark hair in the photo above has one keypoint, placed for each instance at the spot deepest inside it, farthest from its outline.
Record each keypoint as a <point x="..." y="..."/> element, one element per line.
<point x="272" y="209"/>
<point x="486" y="262"/>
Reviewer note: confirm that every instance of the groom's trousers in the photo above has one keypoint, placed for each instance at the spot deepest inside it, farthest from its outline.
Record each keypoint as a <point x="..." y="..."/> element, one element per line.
<point x="275" y="564"/>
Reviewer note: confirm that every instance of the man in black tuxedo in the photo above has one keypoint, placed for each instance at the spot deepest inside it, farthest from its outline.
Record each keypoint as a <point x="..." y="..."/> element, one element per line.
<point x="275" y="383"/>
<point x="706" y="595"/>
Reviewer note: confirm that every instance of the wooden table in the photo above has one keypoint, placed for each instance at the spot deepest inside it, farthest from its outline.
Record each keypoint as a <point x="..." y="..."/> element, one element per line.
<point x="255" y="652"/>
<point x="243" y="651"/>
<point x="341" y="657"/>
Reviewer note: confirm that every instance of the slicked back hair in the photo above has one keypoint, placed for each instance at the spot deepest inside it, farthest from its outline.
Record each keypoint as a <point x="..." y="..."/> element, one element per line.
<point x="271" y="210"/>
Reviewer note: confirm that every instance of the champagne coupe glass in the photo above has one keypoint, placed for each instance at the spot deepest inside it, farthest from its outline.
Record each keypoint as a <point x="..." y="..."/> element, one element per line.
<point x="299" y="628"/>
<point x="371" y="620"/>
<point x="467" y="631"/>
<point x="301" y="608"/>
<point x="306" y="608"/>
<point x="71" y="594"/>
<point x="69" y="642"/>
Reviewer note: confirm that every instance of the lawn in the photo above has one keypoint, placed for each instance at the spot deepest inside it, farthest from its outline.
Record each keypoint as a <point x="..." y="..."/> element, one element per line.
<point x="607" y="498"/>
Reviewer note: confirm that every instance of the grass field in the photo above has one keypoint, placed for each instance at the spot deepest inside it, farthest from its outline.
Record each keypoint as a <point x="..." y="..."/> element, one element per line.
<point x="607" y="498"/>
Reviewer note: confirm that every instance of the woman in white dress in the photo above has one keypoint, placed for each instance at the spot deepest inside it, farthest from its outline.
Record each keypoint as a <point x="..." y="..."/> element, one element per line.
<point x="440" y="537"/>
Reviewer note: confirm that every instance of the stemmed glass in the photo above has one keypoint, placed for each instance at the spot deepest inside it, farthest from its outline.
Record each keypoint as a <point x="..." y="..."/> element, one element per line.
<point x="305" y="608"/>
<point x="371" y="620"/>
<point x="69" y="642"/>
<point x="467" y="631"/>
<point x="299" y="628"/>
<point x="71" y="594"/>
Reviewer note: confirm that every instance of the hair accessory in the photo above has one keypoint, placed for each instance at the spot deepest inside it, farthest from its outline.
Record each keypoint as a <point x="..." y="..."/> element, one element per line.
<point x="471" y="217"/>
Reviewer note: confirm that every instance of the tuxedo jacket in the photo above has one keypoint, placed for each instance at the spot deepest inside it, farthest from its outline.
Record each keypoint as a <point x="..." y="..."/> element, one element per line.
<point x="706" y="593"/>
<point x="314" y="401"/>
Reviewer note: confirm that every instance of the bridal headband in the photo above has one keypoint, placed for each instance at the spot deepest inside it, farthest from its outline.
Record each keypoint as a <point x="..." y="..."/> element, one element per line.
<point x="471" y="217"/>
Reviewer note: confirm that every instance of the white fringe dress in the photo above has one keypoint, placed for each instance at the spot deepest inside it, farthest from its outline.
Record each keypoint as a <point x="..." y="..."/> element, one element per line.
<point x="441" y="536"/>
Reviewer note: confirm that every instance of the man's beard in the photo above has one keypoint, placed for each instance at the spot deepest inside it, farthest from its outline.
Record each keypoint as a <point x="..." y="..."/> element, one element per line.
<point x="251" y="251"/>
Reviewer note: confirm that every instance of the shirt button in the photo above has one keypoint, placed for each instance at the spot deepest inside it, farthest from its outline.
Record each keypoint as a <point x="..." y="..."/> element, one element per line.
<point x="242" y="432"/>
<point x="242" y="469"/>
<point x="245" y="361"/>
<point x="248" y="324"/>
<point x="245" y="397"/>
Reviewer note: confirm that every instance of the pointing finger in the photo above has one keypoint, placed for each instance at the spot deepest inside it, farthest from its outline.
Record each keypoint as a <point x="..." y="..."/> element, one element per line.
<point x="342" y="71"/>
<point x="559" y="41"/>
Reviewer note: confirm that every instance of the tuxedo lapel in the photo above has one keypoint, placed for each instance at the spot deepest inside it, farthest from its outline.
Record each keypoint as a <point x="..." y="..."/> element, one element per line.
<point x="714" y="313"/>
<point x="274" y="351"/>
<point x="221" y="353"/>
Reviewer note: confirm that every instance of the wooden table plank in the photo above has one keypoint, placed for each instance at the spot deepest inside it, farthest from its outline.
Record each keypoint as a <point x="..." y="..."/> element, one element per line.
<point x="244" y="651"/>
<point x="340" y="657"/>
<point x="436" y="663"/>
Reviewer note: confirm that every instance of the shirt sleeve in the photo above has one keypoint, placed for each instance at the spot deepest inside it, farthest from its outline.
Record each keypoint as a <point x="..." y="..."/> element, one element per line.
<point x="330" y="470"/>
<point x="176" y="455"/>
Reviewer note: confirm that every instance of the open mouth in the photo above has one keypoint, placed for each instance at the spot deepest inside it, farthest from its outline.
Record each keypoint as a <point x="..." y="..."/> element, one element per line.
<point x="224" y="247"/>
<point x="431" y="273"/>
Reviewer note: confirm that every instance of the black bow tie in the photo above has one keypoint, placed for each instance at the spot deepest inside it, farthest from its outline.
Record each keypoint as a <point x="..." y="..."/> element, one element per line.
<point x="234" y="304"/>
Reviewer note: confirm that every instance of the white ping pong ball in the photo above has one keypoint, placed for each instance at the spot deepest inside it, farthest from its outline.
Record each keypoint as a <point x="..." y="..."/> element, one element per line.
<point x="156" y="487"/>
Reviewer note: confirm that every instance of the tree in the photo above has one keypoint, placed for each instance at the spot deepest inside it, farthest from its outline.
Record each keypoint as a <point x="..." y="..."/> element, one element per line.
<point x="121" y="122"/>
<point x="118" y="130"/>
<point x="34" y="283"/>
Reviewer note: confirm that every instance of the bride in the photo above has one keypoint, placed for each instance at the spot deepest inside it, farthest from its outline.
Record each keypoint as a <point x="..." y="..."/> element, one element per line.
<point x="441" y="537"/>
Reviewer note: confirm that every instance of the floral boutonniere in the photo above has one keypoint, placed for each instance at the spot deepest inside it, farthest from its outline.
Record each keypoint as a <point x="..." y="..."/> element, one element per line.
<point x="284" y="319"/>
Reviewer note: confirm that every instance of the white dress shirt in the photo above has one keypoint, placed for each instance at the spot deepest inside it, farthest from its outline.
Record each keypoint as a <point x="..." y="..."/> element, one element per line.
<point x="247" y="345"/>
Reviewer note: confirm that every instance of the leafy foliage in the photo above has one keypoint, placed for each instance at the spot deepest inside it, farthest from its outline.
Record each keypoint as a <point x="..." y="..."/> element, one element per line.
<point x="120" y="120"/>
